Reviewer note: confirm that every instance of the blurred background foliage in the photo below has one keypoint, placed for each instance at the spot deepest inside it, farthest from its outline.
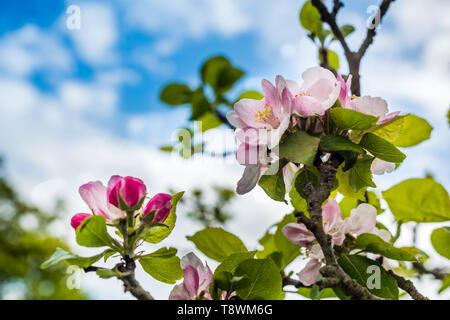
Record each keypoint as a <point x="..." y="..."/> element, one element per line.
<point x="25" y="242"/>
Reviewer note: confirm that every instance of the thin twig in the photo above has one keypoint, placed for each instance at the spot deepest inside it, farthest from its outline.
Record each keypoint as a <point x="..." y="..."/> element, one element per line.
<point x="408" y="286"/>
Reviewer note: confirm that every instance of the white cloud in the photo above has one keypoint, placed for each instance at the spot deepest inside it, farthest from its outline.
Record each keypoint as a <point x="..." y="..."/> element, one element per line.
<point x="98" y="35"/>
<point x="29" y="49"/>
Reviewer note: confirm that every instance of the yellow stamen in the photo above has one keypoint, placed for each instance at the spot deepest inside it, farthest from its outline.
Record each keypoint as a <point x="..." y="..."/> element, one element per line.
<point x="263" y="115"/>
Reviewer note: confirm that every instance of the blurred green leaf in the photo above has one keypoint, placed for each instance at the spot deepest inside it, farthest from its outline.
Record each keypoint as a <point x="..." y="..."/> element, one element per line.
<point x="176" y="94"/>
<point x="217" y="243"/>
<point x="61" y="255"/>
<point x="220" y="74"/>
<point x="440" y="239"/>
<point x="310" y="18"/>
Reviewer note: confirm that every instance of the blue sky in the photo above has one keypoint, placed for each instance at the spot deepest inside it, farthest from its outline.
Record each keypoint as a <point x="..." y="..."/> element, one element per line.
<point x="81" y="105"/>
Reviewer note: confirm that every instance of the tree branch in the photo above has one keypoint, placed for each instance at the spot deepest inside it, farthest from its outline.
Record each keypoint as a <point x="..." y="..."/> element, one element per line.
<point x="408" y="286"/>
<point x="437" y="273"/>
<point x="314" y="198"/>
<point x="129" y="280"/>
<point x="371" y="32"/>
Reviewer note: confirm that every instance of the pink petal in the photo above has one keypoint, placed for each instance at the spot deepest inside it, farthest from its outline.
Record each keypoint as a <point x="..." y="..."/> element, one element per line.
<point x="308" y="276"/>
<point x="380" y="167"/>
<point x="94" y="194"/>
<point x="331" y="214"/>
<point x="179" y="292"/>
<point x="362" y="219"/>
<point x="162" y="204"/>
<point x="289" y="171"/>
<point x="298" y="233"/>
<point x="246" y="109"/>
<point x="234" y="119"/>
<point x="308" y="106"/>
<point x="251" y="155"/>
<point x="191" y="280"/>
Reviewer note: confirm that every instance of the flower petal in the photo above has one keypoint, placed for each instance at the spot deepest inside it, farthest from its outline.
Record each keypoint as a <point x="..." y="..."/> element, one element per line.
<point x="249" y="179"/>
<point x="298" y="233"/>
<point x="362" y="219"/>
<point x="308" y="276"/>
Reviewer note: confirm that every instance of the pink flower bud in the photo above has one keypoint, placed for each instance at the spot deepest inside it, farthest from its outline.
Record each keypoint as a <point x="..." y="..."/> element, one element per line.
<point x="78" y="218"/>
<point x="131" y="191"/>
<point x="161" y="204"/>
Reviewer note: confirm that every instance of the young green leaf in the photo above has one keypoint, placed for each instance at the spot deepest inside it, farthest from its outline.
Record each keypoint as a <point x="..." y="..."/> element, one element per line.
<point x="61" y="255"/>
<point x="310" y="18"/>
<point x="420" y="200"/>
<point x="352" y="119"/>
<point x="265" y="279"/>
<point x="339" y="143"/>
<point x="299" y="147"/>
<point x="163" y="265"/>
<point x="273" y="184"/>
<point x="360" y="175"/>
<point x="381" y="148"/>
<point x="92" y="233"/>
<point x="361" y="269"/>
<point x="176" y="94"/>
<point x="372" y="243"/>
<point x="440" y="239"/>
<point x="217" y="243"/>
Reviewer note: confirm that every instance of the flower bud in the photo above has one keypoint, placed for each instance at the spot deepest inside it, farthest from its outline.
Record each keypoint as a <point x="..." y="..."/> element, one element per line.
<point x="126" y="193"/>
<point x="78" y="218"/>
<point x="161" y="204"/>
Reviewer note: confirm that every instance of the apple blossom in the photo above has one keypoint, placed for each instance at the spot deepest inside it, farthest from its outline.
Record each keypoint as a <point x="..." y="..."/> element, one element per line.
<point x="362" y="220"/>
<point x="161" y="204"/>
<point x="126" y="192"/>
<point x="197" y="278"/>
<point x="95" y="195"/>
<point x="318" y="92"/>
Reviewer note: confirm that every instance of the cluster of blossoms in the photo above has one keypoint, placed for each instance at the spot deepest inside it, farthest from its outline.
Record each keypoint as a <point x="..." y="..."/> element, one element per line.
<point x="262" y="123"/>
<point x="362" y="220"/>
<point x="121" y="195"/>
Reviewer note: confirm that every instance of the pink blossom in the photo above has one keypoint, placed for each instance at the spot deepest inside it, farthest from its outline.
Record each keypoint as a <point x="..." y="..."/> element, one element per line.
<point x="161" y="204"/>
<point x="380" y="167"/>
<point x="128" y="192"/>
<point x="95" y="195"/>
<point x="318" y="92"/>
<point x="78" y="218"/>
<point x="289" y="171"/>
<point x="344" y="94"/>
<point x="362" y="220"/>
<point x="197" y="278"/>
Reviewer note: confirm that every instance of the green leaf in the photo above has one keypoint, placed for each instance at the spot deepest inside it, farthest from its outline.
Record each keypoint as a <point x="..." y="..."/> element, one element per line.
<point x="209" y="121"/>
<point x="310" y="18"/>
<point x="339" y="143"/>
<point x="325" y="293"/>
<point x="199" y="104"/>
<point x="265" y="279"/>
<point x="374" y="201"/>
<point x="107" y="273"/>
<point x="217" y="243"/>
<point x="303" y="176"/>
<point x="420" y="200"/>
<point x="251" y="94"/>
<point x="345" y="188"/>
<point x="352" y="119"/>
<point x="332" y="59"/>
<point x="405" y="131"/>
<point x="163" y="265"/>
<point x="176" y="94"/>
<point x="440" y="239"/>
<point x="220" y="74"/>
<point x="299" y="147"/>
<point x="157" y="234"/>
<point x="273" y="184"/>
<point x="347" y="29"/>
<point x="92" y="233"/>
<point x="360" y="175"/>
<point x="381" y="148"/>
<point x="372" y="243"/>
<point x="61" y="255"/>
<point x="445" y="283"/>
<point x="347" y="205"/>
<point x="358" y="268"/>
